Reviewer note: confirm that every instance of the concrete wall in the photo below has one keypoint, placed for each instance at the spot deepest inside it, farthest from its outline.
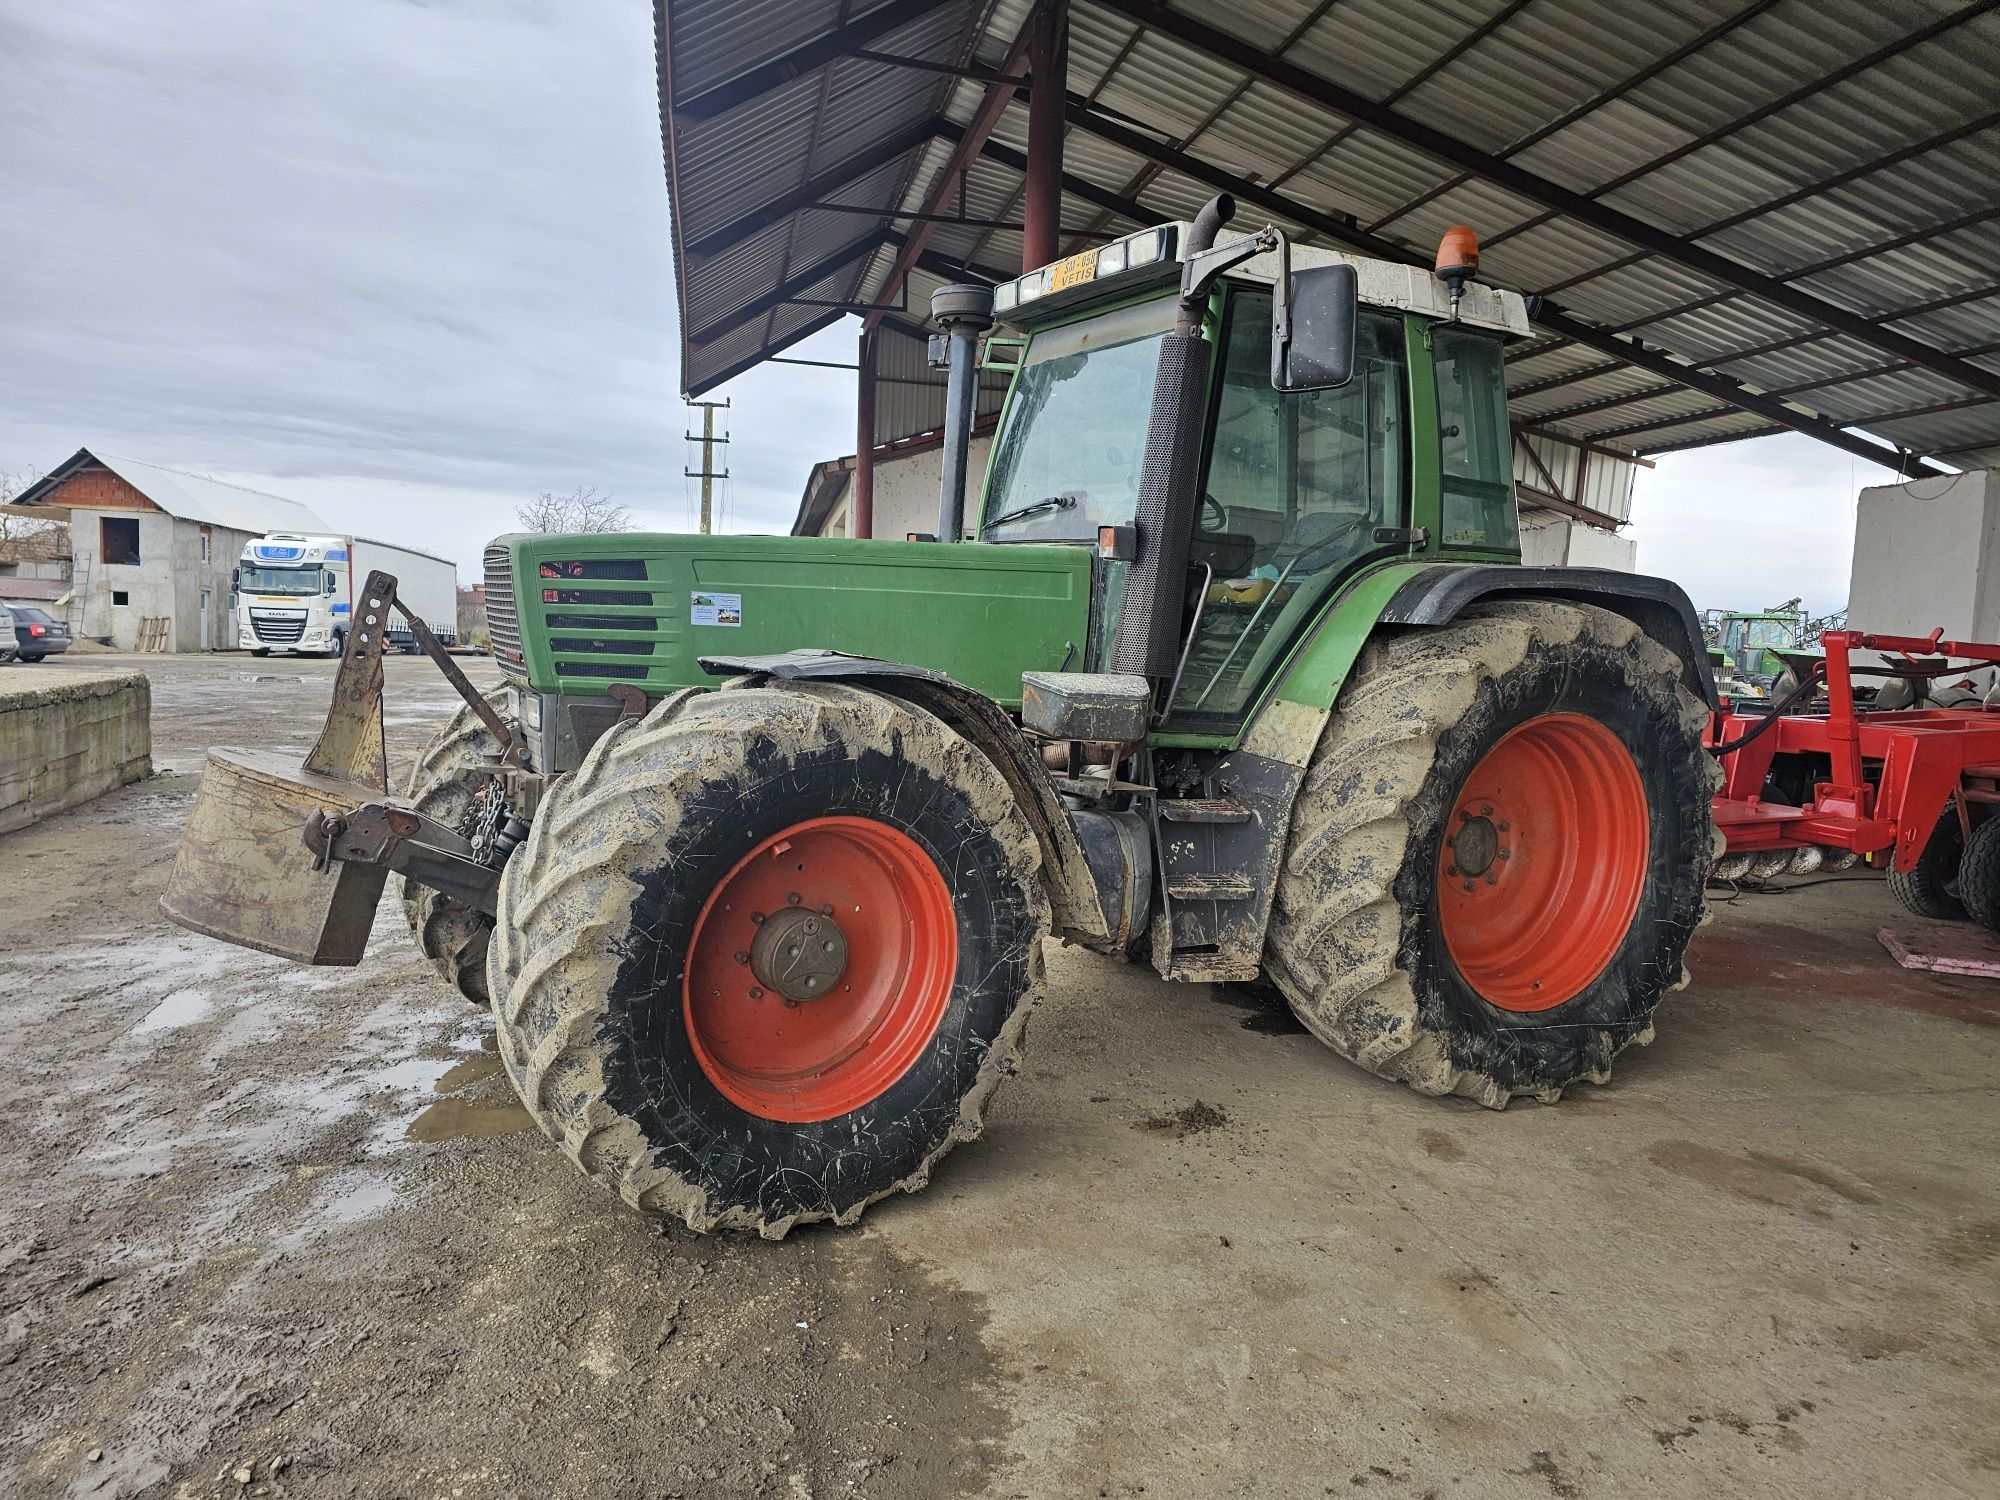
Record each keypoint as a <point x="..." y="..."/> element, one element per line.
<point x="66" y="741"/>
<point x="1927" y="553"/>
<point x="1552" y="541"/>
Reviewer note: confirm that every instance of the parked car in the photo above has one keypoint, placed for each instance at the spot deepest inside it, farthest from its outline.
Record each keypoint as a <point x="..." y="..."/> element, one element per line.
<point x="7" y="647"/>
<point x="37" y="633"/>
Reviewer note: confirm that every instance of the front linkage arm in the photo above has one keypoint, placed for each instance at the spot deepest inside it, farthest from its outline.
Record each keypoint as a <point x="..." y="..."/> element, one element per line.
<point x="388" y="832"/>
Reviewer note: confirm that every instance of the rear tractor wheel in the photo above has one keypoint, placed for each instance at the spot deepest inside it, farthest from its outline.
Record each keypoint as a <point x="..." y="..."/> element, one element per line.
<point x="762" y="959"/>
<point x="444" y="786"/>
<point x="1498" y="853"/>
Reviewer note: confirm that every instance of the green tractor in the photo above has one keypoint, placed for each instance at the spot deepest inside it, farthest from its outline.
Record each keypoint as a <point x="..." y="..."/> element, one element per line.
<point x="1763" y="654"/>
<point x="754" y="855"/>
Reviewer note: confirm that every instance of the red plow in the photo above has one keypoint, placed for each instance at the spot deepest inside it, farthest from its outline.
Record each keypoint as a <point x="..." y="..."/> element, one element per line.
<point x="1908" y="789"/>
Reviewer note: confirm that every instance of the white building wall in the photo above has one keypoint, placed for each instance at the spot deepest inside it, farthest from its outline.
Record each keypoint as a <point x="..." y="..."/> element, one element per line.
<point x="906" y="489"/>
<point x="168" y="580"/>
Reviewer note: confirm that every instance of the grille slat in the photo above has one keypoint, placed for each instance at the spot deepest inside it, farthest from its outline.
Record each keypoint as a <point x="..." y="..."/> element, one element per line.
<point x="277" y="629"/>
<point x="503" y="622"/>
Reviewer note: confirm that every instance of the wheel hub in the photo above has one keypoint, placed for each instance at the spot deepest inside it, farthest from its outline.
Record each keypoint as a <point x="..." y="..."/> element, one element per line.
<point x="800" y="954"/>
<point x="1476" y="845"/>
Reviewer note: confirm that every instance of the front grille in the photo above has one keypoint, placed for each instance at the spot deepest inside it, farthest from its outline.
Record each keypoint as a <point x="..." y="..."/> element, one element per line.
<point x="503" y="624"/>
<point x="278" y="629"/>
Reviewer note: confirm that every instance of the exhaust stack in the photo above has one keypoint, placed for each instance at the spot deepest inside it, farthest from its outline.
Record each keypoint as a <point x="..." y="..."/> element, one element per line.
<point x="964" y="312"/>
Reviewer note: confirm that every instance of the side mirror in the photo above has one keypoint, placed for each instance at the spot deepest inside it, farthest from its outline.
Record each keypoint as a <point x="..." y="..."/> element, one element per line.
<point x="235" y="578"/>
<point x="326" y="582"/>
<point x="1312" y="329"/>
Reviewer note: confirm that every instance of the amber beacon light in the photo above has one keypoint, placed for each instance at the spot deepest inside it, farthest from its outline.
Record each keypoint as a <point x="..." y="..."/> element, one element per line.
<point x="1457" y="261"/>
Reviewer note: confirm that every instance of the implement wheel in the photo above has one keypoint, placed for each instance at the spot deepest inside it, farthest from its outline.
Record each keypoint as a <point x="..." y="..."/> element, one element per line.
<point x="1498" y="853"/>
<point x="764" y="957"/>
<point x="453" y="937"/>
<point x="1978" y="885"/>
<point x="1933" y="887"/>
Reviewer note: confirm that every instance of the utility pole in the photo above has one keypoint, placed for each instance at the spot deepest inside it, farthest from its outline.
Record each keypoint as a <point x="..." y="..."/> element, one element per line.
<point x="707" y="473"/>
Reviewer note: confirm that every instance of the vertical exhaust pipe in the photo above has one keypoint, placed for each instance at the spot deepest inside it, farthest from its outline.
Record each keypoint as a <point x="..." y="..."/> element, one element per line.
<point x="964" y="312"/>
<point x="1150" y="625"/>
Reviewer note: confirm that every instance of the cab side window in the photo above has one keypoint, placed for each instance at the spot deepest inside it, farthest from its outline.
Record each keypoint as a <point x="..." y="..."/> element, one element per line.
<point x="1478" y="464"/>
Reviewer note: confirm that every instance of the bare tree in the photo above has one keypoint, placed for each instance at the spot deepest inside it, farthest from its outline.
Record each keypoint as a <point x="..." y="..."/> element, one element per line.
<point x="15" y="528"/>
<point x="582" y="509"/>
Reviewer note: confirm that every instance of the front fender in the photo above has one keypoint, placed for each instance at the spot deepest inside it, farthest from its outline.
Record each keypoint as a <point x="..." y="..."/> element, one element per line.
<point x="1073" y="897"/>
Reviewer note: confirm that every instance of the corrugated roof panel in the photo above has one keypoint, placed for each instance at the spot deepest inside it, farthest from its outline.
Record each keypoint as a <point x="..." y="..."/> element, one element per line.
<point x="1625" y="380"/>
<point x="716" y="40"/>
<point x="1536" y="63"/>
<point x="1374" y="46"/>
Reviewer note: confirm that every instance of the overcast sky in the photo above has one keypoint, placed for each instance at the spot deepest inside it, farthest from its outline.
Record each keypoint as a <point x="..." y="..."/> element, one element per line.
<point x="410" y="263"/>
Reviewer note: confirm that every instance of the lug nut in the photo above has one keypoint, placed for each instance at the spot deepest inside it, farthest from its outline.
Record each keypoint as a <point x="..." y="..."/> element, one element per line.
<point x="826" y="909"/>
<point x="756" y="993"/>
<point x="1451" y="870"/>
<point x="757" y="917"/>
<point x="1503" y="853"/>
<point x="1491" y="878"/>
<point x="743" y="958"/>
<point x="792" y="899"/>
<point x="1486" y="809"/>
<point x="1501" y="825"/>
<point x="1471" y="885"/>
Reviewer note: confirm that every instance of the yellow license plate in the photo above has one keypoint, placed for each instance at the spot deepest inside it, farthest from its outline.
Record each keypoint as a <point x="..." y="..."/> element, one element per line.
<point x="1075" y="271"/>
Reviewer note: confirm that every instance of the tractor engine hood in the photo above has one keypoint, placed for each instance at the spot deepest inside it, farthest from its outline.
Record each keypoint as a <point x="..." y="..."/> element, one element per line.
<point x="580" y="614"/>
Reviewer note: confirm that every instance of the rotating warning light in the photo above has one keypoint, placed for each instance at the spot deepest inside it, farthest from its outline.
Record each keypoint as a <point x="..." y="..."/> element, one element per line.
<point x="1457" y="261"/>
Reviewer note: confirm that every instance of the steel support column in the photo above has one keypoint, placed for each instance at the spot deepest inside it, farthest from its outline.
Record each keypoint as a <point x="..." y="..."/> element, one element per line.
<point x="1048" y="72"/>
<point x="862" y="520"/>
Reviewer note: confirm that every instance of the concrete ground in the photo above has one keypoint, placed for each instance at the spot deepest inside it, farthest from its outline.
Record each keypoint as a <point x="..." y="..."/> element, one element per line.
<point x="269" y="1230"/>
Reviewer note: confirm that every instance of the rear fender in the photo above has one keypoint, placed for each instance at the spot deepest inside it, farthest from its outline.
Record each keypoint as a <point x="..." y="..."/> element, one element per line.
<point x="1073" y="890"/>
<point x="1658" y="606"/>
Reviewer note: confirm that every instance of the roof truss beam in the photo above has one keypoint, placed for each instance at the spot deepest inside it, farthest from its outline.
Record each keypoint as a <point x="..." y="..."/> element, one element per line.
<point x="1567" y="201"/>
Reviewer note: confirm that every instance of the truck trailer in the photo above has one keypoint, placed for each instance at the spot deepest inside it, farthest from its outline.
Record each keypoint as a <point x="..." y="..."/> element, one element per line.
<point x="293" y="592"/>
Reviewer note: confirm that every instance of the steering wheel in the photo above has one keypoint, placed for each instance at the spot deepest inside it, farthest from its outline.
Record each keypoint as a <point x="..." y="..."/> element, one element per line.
<point x="1212" y="507"/>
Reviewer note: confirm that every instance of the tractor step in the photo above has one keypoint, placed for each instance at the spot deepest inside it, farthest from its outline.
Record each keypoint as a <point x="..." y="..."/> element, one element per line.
<point x="1211" y="886"/>
<point x="1203" y="810"/>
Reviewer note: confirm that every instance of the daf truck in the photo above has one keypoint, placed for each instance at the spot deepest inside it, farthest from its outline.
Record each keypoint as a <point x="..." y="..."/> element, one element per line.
<point x="296" y="593"/>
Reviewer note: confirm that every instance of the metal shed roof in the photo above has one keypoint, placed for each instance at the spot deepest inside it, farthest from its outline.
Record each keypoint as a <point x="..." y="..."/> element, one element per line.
<point x="188" y="497"/>
<point x="1743" y="218"/>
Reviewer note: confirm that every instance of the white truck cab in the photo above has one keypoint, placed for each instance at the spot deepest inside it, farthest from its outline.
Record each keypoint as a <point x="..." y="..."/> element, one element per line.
<point x="295" y="592"/>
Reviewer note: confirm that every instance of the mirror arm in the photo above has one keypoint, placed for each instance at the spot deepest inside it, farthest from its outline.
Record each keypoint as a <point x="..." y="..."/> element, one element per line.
<point x="1200" y="272"/>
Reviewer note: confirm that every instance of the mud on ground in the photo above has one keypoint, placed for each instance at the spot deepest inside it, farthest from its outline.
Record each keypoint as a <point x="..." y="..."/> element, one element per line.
<point x="278" y="1231"/>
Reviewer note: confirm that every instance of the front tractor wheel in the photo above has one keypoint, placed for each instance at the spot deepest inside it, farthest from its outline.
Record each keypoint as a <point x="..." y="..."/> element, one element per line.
<point x="764" y="957"/>
<point x="1498" y="853"/>
<point x="444" y="786"/>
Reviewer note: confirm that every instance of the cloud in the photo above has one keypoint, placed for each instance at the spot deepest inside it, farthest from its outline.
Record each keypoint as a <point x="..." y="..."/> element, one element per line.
<point x="411" y="262"/>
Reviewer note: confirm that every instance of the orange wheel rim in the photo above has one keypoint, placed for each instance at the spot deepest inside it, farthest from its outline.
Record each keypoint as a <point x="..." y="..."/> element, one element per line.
<point x="1543" y="862"/>
<point x="819" y="968"/>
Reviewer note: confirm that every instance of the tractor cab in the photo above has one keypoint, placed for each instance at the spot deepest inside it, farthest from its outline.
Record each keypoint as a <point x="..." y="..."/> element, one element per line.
<point x="1298" y="486"/>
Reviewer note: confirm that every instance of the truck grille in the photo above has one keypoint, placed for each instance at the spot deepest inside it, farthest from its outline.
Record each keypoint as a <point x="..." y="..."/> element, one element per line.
<point x="503" y="622"/>
<point x="278" y="629"/>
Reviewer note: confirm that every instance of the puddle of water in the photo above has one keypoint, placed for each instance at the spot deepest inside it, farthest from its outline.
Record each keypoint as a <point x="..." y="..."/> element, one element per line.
<point x="463" y="1120"/>
<point x="475" y="1069"/>
<point x="180" y="1008"/>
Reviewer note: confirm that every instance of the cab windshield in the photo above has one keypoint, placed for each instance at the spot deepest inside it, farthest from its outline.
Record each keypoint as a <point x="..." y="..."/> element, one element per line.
<point x="1076" y="429"/>
<point x="278" y="580"/>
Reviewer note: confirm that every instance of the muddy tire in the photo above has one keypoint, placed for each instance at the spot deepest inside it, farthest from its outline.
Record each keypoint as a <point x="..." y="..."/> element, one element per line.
<point x="1559" y="751"/>
<point x="1935" y="886"/>
<point x="452" y="936"/>
<point x="731" y="1089"/>
<point x="1979" y="873"/>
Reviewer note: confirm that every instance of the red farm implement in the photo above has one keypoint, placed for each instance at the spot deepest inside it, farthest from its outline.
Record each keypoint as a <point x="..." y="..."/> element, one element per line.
<point x="1907" y="788"/>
